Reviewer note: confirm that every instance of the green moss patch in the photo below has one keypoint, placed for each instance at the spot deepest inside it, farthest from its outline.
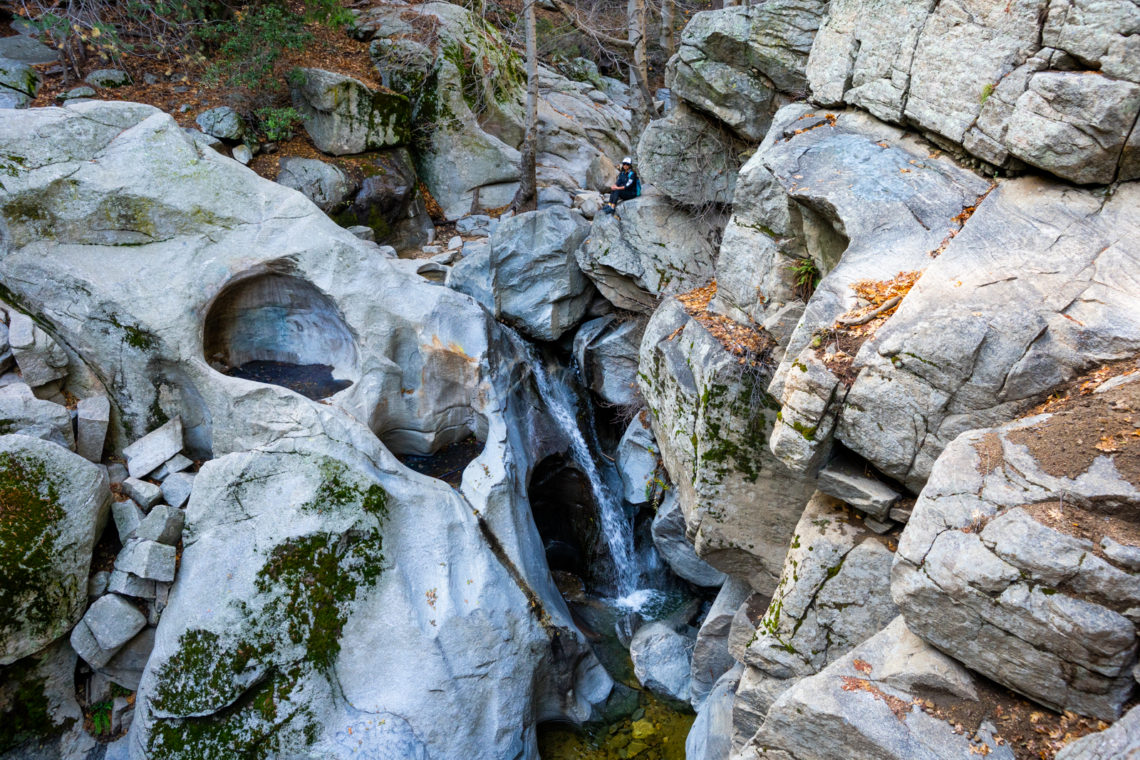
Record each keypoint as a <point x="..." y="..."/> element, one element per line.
<point x="32" y="593"/>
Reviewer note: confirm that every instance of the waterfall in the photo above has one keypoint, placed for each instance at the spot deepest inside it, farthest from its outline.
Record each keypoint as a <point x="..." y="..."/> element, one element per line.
<point x="617" y="528"/>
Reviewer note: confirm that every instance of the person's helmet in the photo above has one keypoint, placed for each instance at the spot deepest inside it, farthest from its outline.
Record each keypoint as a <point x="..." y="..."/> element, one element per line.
<point x="627" y="160"/>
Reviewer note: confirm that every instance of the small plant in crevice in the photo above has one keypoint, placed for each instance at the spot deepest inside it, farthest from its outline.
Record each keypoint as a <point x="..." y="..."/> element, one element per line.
<point x="100" y="713"/>
<point x="986" y="92"/>
<point x="805" y="277"/>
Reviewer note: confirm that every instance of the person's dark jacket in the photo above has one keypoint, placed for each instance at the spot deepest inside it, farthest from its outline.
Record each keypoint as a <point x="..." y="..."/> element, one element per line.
<point x="627" y="180"/>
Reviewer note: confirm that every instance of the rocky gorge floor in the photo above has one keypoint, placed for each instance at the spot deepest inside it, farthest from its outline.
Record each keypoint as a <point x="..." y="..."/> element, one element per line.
<point x="826" y="446"/>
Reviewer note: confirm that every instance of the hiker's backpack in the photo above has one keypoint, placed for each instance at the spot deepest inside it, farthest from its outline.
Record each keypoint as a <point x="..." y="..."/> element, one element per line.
<point x="636" y="185"/>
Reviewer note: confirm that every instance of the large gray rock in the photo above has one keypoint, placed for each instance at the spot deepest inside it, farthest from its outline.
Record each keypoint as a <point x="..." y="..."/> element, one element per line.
<point x="113" y="621"/>
<point x="711" y="418"/>
<point x="1122" y="739"/>
<point x="1050" y="83"/>
<point x="606" y="350"/>
<point x="467" y="91"/>
<point x="661" y="661"/>
<point x="710" y="738"/>
<point x="27" y="49"/>
<point x="471" y="275"/>
<point x="690" y="158"/>
<point x="638" y="462"/>
<point x="859" y="707"/>
<point x="536" y="282"/>
<point x="153" y="449"/>
<point x="866" y="212"/>
<point x="1074" y="124"/>
<point x="669" y="537"/>
<point x="342" y="115"/>
<point x="55" y="505"/>
<point x="711" y="658"/>
<point x="996" y="322"/>
<point x="649" y="250"/>
<point x="834" y="594"/>
<point x="732" y="62"/>
<point x="309" y="604"/>
<point x="92" y="418"/>
<point x="323" y="183"/>
<point x="21" y="412"/>
<point x="764" y="239"/>
<point x="38" y="356"/>
<point x="991" y="570"/>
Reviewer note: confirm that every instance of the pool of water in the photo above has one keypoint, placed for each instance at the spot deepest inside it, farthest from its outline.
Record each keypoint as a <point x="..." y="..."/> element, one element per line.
<point x="654" y="731"/>
<point x="448" y="463"/>
<point x="314" y="381"/>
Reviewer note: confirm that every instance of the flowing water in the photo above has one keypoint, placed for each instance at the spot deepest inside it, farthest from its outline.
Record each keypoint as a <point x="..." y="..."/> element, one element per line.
<point x="617" y="527"/>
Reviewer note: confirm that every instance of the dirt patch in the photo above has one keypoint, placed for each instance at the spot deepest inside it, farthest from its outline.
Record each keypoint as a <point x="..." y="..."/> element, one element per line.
<point x="1032" y="732"/>
<point x="1085" y="426"/>
<point x="1086" y="524"/>
<point x="749" y="343"/>
<point x="990" y="455"/>
<point x="879" y="300"/>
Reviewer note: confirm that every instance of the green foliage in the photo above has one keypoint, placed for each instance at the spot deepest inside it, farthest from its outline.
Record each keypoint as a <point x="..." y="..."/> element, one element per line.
<point x="986" y="92"/>
<point x="805" y="276"/>
<point x="278" y="124"/>
<point x="101" y="718"/>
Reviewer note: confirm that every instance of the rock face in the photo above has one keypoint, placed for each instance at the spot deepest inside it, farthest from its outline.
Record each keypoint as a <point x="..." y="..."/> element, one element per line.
<point x="711" y="658"/>
<point x="690" y="158"/>
<point x="649" y="250"/>
<point x="711" y="735"/>
<point x="535" y="280"/>
<point x="992" y="571"/>
<point x="1008" y="82"/>
<point x="342" y="115"/>
<point x="834" y="594"/>
<point x="861" y="706"/>
<point x="606" y="350"/>
<point x="669" y="537"/>
<point x="733" y="63"/>
<point x="711" y="417"/>
<point x="56" y="503"/>
<point x="1019" y="330"/>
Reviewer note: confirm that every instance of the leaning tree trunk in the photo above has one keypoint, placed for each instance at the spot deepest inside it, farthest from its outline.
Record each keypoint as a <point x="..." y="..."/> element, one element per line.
<point x="528" y="181"/>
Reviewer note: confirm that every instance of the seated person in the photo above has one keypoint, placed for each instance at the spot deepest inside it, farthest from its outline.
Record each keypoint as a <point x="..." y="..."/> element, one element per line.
<point x="626" y="187"/>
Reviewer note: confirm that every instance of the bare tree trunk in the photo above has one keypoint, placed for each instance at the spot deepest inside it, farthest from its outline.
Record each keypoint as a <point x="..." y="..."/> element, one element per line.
<point x="528" y="180"/>
<point x="668" y="38"/>
<point x="640" y="96"/>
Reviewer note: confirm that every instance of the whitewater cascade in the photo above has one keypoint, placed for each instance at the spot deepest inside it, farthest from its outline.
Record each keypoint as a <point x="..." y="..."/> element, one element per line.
<point x="617" y="528"/>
